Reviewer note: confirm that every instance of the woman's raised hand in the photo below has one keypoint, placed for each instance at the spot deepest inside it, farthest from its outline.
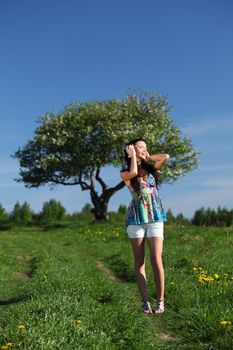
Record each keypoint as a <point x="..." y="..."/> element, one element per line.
<point x="130" y="150"/>
<point x="147" y="157"/>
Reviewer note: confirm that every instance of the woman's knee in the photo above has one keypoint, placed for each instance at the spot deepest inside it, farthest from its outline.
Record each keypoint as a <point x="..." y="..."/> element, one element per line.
<point x="156" y="263"/>
<point x="139" y="266"/>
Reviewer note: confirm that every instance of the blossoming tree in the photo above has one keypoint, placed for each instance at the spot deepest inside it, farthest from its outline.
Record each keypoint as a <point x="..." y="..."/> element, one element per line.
<point x="71" y="147"/>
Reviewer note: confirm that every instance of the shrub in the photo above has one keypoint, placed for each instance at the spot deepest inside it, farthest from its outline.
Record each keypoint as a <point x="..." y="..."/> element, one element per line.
<point x="21" y="214"/>
<point x="52" y="211"/>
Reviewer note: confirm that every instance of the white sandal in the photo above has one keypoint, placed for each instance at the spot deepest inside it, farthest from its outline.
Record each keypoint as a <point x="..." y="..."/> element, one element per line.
<point x="146" y="308"/>
<point x="160" y="308"/>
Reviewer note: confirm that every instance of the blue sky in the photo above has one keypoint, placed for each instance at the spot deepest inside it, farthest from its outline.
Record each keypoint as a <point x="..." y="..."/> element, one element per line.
<point x="55" y="52"/>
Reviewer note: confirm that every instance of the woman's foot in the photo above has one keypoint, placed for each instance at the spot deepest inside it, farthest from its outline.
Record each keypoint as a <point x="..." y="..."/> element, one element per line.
<point x="160" y="306"/>
<point x="146" y="307"/>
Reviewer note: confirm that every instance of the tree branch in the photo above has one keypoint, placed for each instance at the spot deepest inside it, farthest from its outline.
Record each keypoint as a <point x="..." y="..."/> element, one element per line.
<point x="83" y="184"/>
<point x="110" y="191"/>
<point x="98" y="178"/>
<point x="94" y="195"/>
<point x="92" y="187"/>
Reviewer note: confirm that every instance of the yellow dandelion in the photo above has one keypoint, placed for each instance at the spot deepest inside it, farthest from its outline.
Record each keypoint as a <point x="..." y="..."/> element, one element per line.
<point x="201" y="280"/>
<point x="200" y="268"/>
<point x="78" y="322"/>
<point x="9" y="344"/>
<point x="4" y="347"/>
<point x="210" y="279"/>
<point x="204" y="277"/>
<point x="225" y="323"/>
<point x="226" y="274"/>
<point x="194" y="268"/>
<point x="21" y="326"/>
<point x="216" y="276"/>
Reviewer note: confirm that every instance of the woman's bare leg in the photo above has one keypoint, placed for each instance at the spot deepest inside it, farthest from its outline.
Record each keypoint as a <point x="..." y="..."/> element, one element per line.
<point x="156" y="249"/>
<point x="138" y="246"/>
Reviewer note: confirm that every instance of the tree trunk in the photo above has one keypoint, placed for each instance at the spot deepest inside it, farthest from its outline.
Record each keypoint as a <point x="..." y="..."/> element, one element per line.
<point x="100" y="209"/>
<point x="100" y="203"/>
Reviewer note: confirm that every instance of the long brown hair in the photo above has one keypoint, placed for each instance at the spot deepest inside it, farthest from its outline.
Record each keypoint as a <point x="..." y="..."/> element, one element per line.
<point x="144" y="166"/>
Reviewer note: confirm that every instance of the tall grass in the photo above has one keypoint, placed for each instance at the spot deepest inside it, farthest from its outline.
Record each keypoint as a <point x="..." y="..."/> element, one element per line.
<point x="74" y="288"/>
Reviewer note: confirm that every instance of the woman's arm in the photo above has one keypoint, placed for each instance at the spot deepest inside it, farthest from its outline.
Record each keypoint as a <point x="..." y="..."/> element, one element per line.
<point x="128" y="175"/>
<point x="159" y="159"/>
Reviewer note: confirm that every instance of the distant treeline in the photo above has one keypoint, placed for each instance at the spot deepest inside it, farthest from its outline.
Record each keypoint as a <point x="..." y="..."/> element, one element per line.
<point x="54" y="211"/>
<point x="51" y="211"/>
<point x="210" y="217"/>
<point x="204" y="217"/>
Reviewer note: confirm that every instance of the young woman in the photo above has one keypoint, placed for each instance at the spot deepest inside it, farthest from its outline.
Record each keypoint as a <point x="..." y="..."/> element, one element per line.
<point x="145" y="216"/>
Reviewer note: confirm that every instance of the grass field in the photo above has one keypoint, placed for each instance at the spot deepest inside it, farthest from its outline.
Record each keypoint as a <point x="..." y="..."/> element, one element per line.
<point x="73" y="287"/>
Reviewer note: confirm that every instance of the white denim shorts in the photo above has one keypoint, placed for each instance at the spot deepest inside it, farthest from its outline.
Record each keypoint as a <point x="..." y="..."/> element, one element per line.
<point x="151" y="229"/>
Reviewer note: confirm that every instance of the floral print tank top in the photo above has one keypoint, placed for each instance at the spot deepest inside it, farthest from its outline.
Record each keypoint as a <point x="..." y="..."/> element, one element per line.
<point x="146" y="206"/>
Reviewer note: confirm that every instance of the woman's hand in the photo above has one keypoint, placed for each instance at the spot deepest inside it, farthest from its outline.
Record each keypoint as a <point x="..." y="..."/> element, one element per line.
<point x="160" y="160"/>
<point x="147" y="159"/>
<point x="130" y="150"/>
<point x="133" y="171"/>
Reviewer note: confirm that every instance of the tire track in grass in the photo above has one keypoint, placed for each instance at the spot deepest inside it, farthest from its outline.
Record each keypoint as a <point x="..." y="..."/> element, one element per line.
<point x="102" y="267"/>
<point x="32" y="264"/>
<point x="167" y="337"/>
<point x="22" y="276"/>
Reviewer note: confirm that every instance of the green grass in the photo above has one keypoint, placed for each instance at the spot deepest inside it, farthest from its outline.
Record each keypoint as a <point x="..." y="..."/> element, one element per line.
<point x="73" y="287"/>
